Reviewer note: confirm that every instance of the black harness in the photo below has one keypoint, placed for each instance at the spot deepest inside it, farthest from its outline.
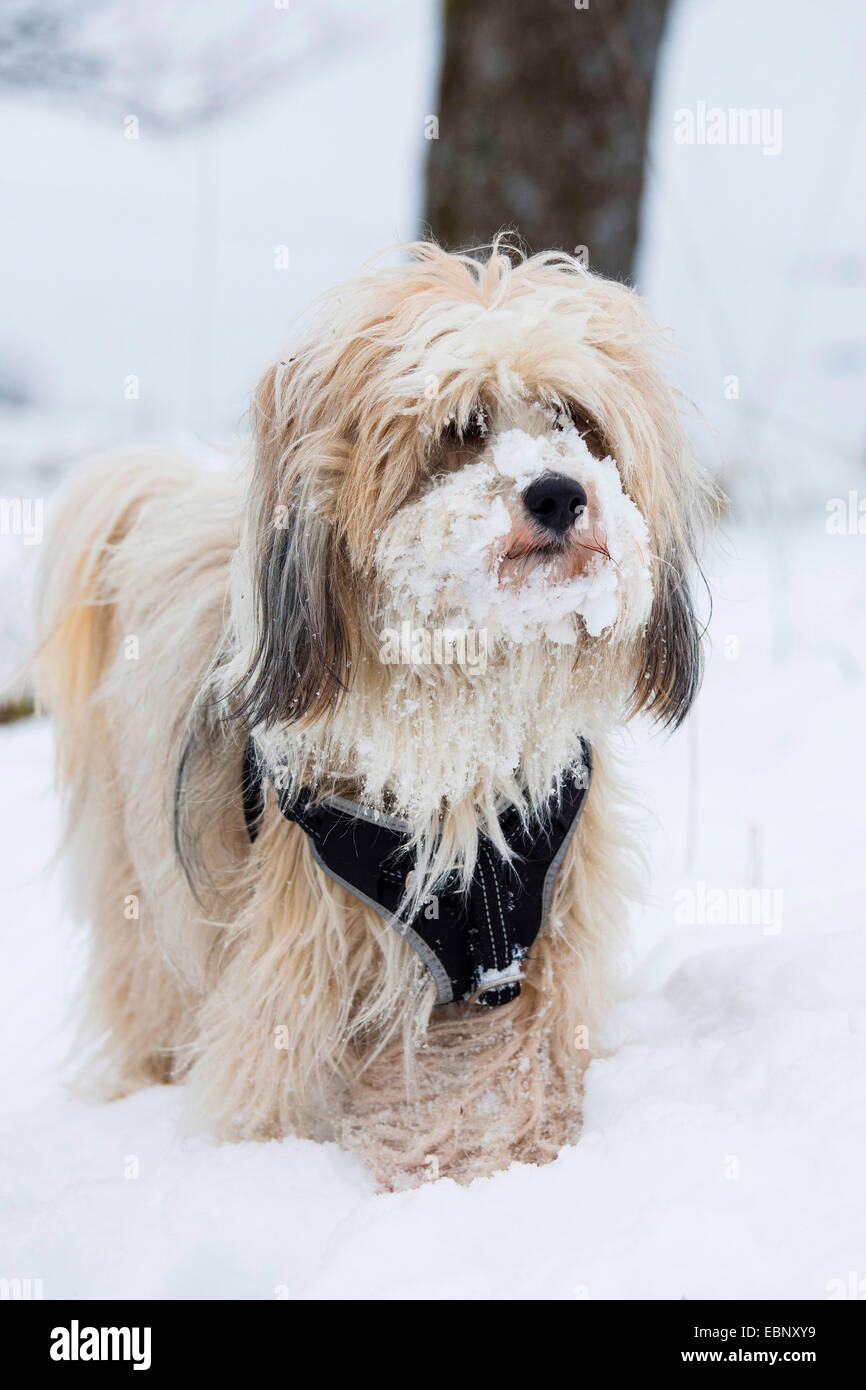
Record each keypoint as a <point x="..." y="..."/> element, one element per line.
<point x="472" y="940"/>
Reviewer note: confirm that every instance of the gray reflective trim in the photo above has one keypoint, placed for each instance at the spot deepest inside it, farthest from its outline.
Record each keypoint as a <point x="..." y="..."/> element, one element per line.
<point x="418" y="944"/>
<point x="367" y="813"/>
<point x="340" y="803"/>
<point x="556" y="862"/>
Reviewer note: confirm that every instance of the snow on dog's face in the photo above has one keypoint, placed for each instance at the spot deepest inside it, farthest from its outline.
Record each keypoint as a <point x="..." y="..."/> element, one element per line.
<point x="475" y="443"/>
<point x="535" y="538"/>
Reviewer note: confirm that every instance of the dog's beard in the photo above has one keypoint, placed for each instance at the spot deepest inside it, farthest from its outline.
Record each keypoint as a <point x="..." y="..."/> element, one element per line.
<point x="467" y="554"/>
<point x="444" y="744"/>
<point x="445" y="749"/>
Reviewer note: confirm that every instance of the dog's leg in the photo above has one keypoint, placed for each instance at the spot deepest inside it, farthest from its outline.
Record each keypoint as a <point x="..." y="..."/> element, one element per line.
<point x="309" y="979"/>
<point x="494" y="1086"/>
<point x="137" y="1010"/>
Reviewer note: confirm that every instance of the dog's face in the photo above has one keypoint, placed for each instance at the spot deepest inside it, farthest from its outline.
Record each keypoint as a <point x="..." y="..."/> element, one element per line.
<point x="524" y="533"/>
<point x="477" y="444"/>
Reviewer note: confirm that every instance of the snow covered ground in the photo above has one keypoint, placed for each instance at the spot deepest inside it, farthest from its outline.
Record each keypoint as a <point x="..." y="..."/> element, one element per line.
<point x="722" y="1152"/>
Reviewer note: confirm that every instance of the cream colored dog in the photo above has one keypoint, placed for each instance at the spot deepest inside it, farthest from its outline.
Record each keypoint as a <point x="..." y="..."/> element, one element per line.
<point x="465" y="456"/>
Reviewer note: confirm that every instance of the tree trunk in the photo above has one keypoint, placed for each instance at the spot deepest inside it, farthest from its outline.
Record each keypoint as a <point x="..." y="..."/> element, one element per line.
<point x="542" y="124"/>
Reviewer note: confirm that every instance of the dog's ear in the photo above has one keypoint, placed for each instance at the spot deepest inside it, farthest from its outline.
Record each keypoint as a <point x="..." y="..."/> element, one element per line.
<point x="669" y="676"/>
<point x="301" y="656"/>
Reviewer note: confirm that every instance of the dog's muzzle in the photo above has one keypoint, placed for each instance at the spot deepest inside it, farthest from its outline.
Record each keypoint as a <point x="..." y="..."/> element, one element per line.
<point x="473" y="941"/>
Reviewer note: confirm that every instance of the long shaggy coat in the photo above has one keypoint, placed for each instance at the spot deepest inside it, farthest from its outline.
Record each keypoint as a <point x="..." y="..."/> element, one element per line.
<point x="179" y="614"/>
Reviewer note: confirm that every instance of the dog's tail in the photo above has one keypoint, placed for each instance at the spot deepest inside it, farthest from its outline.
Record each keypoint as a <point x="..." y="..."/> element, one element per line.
<point x="75" y="625"/>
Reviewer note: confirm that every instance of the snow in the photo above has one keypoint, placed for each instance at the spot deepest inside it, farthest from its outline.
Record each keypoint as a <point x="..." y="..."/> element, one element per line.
<point x="443" y="554"/>
<point x="721" y="1155"/>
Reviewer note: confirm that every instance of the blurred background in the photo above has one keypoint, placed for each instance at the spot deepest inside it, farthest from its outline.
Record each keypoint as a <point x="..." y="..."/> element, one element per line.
<point x="179" y="181"/>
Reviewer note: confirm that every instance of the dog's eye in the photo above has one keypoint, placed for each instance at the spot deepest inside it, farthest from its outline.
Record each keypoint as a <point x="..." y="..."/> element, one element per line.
<point x="473" y="430"/>
<point x="586" y="427"/>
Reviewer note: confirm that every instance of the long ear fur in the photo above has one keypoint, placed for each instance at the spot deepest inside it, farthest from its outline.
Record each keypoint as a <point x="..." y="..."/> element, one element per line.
<point x="672" y="645"/>
<point x="301" y="657"/>
<point x="300" y="663"/>
<point x="681" y="503"/>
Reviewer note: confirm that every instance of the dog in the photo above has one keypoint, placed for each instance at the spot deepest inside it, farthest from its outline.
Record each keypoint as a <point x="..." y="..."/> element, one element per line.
<point x="335" y="737"/>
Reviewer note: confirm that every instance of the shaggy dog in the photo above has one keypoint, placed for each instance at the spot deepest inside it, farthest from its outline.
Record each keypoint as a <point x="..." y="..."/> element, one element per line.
<point x="459" y="561"/>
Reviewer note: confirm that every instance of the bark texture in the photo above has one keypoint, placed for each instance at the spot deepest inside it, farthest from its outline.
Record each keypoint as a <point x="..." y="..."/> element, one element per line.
<point x="543" y="111"/>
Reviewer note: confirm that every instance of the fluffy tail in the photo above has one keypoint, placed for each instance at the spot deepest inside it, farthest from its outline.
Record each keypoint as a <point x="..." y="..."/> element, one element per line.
<point x="75" y="623"/>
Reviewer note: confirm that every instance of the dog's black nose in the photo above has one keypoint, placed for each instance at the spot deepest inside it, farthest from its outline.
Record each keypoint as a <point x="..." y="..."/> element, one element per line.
<point x="555" y="502"/>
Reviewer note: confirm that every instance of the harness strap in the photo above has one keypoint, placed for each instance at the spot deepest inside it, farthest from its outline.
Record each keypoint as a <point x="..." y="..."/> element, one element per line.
<point x="472" y="940"/>
<point x="254" y="797"/>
